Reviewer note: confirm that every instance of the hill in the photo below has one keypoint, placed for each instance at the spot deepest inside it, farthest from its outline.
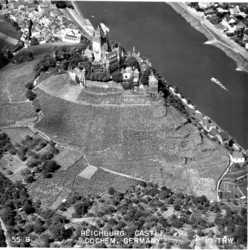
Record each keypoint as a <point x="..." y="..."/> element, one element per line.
<point x="139" y="140"/>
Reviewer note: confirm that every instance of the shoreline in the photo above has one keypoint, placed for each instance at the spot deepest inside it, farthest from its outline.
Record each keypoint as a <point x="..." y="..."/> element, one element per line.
<point x="214" y="35"/>
<point x="8" y="39"/>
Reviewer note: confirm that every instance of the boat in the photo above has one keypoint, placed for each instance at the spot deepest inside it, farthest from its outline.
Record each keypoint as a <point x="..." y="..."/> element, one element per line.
<point x="217" y="82"/>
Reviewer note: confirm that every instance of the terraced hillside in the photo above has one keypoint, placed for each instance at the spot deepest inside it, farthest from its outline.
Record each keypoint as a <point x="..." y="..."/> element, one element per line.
<point x="143" y="141"/>
<point x="13" y="103"/>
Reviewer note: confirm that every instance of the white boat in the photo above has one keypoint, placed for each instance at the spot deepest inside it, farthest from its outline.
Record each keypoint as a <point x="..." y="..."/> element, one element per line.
<point x="218" y="83"/>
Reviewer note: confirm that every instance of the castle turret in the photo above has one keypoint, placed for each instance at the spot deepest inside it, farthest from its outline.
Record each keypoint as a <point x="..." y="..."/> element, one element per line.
<point x="96" y="45"/>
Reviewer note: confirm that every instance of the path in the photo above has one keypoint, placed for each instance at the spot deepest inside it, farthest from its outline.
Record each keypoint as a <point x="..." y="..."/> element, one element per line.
<point x="121" y="174"/>
<point x="5" y="232"/>
<point x="222" y="176"/>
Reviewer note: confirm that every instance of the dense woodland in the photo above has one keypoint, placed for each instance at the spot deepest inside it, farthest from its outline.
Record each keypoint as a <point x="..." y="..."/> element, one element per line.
<point x="35" y="151"/>
<point x="141" y="207"/>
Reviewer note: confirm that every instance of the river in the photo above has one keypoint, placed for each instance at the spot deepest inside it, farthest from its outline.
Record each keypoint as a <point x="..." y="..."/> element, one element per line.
<point x="178" y="52"/>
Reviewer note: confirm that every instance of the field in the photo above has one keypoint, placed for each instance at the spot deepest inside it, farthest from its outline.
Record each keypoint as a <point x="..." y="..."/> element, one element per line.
<point x="137" y="140"/>
<point x="66" y="181"/>
<point x="67" y="157"/>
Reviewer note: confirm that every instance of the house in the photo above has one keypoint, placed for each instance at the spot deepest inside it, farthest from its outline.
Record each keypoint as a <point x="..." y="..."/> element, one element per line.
<point x="237" y="157"/>
<point x="214" y="18"/>
<point x="210" y="11"/>
<point x="235" y="10"/>
<point x="71" y="35"/>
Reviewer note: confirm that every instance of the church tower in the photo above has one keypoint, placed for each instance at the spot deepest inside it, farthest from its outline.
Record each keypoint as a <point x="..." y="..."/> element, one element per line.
<point x="96" y="45"/>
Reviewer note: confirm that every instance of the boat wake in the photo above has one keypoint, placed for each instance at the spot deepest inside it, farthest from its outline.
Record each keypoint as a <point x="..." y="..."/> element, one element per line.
<point x="210" y="42"/>
<point x="218" y="83"/>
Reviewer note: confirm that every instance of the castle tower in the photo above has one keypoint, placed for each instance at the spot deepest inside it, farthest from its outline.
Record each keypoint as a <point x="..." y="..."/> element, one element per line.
<point x="96" y="45"/>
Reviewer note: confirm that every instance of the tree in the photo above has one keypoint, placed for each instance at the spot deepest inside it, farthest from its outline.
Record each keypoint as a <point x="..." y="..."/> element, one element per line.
<point x="51" y="166"/>
<point x="177" y="206"/>
<point x="2" y="239"/>
<point x="30" y="95"/>
<point x="46" y="174"/>
<point x="111" y="191"/>
<point x="46" y="156"/>
<point x="175" y="222"/>
<point x="34" y="41"/>
<point x="62" y="4"/>
<point x="29" y="85"/>
<point x="117" y="76"/>
<point x="38" y="227"/>
<point x="28" y="208"/>
<point x="45" y="240"/>
<point x="126" y="85"/>
<point x="132" y="62"/>
<point x="29" y="179"/>
<point x="29" y="228"/>
<point x="23" y="56"/>
<point x="58" y="231"/>
<point x="79" y="209"/>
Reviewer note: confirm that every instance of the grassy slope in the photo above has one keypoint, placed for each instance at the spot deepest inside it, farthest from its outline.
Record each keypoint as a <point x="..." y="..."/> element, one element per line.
<point x="13" y="78"/>
<point x="133" y="140"/>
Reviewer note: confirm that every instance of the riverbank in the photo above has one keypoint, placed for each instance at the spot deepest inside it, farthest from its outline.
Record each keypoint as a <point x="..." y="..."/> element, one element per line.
<point x="215" y="36"/>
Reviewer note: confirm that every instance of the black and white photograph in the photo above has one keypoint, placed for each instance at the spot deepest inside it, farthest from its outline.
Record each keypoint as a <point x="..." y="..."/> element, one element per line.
<point x="123" y="124"/>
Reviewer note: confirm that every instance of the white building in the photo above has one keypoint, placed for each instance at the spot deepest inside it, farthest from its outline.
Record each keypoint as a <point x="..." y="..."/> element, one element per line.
<point x="152" y="80"/>
<point x="71" y="35"/>
<point x="127" y="74"/>
<point x="237" y="157"/>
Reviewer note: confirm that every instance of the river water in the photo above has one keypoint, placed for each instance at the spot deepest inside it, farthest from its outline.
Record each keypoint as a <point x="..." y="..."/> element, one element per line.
<point x="178" y="52"/>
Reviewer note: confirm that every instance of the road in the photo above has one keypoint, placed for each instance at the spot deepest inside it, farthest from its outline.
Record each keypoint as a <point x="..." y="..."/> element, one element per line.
<point x="8" y="39"/>
<point x="5" y="232"/>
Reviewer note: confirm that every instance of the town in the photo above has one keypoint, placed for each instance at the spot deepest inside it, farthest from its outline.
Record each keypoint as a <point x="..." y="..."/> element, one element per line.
<point x="230" y="18"/>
